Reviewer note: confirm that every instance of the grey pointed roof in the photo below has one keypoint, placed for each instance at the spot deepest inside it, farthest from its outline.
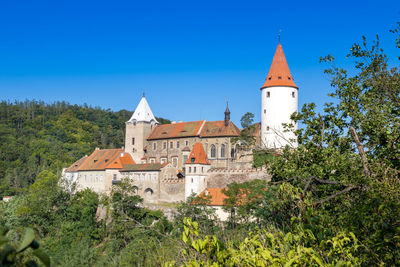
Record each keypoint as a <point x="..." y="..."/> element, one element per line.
<point x="143" y="112"/>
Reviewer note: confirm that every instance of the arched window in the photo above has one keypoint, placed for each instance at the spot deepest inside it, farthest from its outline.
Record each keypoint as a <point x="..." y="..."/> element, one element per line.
<point x="213" y="151"/>
<point x="222" y="151"/>
<point x="148" y="192"/>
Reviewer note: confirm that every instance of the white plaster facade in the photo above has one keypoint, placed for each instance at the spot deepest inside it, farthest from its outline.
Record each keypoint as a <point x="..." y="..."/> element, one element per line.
<point x="278" y="103"/>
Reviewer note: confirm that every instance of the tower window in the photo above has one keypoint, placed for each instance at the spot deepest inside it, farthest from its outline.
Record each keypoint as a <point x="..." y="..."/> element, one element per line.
<point x="186" y="143"/>
<point x="133" y="141"/>
<point x="293" y="94"/>
<point x="265" y="111"/>
<point x="267" y="128"/>
<point x="268" y="94"/>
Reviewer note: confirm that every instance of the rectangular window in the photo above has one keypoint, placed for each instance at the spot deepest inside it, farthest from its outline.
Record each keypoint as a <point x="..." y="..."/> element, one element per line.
<point x="133" y="141"/>
<point x="175" y="161"/>
<point x="171" y="145"/>
<point x="185" y="158"/>
<point x="177" y="144"/>
<point x="268" y="94"/>
<point x="186" y="143"/>
<point x="154" y="146"/>
<point x="194" y="169"/>
<point x="152" y="161"/>
<point x="114" y="177"/>
<point x="163" y="160"/>
<point x="293" y="94"/>
<point x="165" y="145"/>
<point x="190" y="169"/>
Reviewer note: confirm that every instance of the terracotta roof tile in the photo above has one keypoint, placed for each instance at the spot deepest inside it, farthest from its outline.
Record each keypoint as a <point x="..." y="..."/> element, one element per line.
<point x="103" y="159"/>
<point x="174" y="130"/>
<point x="75" y="167"/>
<point x="216" y="196"/>
<point x="218" y="128"/>
<point x="279" y="73"/>
<point x="198" y="155"/>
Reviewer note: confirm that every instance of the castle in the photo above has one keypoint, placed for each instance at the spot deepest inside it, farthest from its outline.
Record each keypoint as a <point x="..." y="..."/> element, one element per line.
<point x="169" y="162"/>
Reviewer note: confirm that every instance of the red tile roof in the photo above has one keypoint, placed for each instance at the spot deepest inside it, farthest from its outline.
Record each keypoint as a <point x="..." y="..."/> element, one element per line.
<point x="279" y="73"/>
<point x="215" y="195"/>
<point x="218" y="129"/>
<point x="194" y="128"/>
<point x="198" y="155"/>
<point x="101" y="160"/>
<point x="174" y="130"/>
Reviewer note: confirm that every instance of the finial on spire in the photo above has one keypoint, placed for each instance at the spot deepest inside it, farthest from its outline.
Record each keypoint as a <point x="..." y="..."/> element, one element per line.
<point x="279" y="36"/>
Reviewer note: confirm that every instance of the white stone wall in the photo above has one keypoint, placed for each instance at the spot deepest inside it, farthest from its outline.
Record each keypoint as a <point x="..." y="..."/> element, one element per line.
<point x="275" y="110"/>
<point x="195" y="180"/>
<point x="147" y="183"/>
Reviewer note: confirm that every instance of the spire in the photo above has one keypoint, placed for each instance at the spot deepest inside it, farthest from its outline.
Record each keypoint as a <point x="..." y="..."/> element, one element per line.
<point x="227" y="114"/>
<point x="143" y="112"/>
<point x="279" y="73"/>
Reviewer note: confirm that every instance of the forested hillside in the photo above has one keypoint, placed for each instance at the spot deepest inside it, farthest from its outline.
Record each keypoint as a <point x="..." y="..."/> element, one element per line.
<point x="36" y="136"/>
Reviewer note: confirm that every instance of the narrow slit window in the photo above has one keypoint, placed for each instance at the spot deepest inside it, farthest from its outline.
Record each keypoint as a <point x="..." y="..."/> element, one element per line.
<point x="293" y="94"/>
<point x="268" y="94"/>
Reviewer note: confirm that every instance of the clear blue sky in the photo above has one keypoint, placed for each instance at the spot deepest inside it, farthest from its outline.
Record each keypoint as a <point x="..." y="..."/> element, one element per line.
<point x="188" y="56"/>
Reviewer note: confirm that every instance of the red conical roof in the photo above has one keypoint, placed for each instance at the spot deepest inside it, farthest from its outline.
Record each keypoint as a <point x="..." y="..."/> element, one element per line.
<point x="198" y="155"/>
<point x="279" y="73"/>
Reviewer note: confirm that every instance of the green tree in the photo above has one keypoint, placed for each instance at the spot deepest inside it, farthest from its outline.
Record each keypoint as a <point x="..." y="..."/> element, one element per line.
<point x="247" y="120"/>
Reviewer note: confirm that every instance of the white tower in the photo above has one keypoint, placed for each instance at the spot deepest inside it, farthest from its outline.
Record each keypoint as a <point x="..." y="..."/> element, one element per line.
<point x="138" y="128"/>
<point x="196" y="168"/>
<point x="279" y="99"/>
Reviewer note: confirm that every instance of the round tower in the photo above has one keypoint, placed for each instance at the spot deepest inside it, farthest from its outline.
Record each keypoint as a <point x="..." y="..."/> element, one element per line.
<point x="279" y="100"/>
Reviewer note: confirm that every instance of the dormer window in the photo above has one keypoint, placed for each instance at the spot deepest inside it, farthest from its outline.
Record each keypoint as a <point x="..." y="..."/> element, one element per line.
<point x="269" y="78"/>
<point x="95" y="160"/>
<point x="279" y="78"/>
<point x="192" y="160"/>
